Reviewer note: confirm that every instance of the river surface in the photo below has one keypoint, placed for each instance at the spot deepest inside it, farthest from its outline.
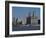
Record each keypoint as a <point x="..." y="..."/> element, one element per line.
<point x="25" y="27"/>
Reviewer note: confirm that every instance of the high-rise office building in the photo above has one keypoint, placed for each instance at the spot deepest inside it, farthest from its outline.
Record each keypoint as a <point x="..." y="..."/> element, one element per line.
<point x="28" y="19"/>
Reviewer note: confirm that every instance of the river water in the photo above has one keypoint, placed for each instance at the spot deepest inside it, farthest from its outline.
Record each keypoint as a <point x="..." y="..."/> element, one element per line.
<point x="25" y="27"/>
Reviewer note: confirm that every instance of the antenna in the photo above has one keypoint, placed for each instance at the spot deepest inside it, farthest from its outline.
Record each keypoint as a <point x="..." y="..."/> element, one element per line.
<point x="34" y="14"/>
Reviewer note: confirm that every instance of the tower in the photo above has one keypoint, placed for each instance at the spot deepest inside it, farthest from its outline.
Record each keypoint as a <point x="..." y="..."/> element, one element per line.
<point x="33" y="15"/>
<point x="28" y="19"/>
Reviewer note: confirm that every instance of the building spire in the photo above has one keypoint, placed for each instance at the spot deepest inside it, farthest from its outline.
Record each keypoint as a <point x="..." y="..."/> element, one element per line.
<point x="33" y="14"/>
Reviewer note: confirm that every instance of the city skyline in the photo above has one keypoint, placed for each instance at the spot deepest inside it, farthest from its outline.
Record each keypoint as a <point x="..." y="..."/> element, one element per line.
<point x="25" y="18"/>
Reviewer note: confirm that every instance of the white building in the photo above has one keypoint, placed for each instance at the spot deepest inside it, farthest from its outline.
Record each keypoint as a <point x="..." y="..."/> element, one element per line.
<point x="34" y="19"/>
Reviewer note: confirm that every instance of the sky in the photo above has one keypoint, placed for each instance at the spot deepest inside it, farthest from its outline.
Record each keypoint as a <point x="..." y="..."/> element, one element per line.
<point x="24" y="11"/>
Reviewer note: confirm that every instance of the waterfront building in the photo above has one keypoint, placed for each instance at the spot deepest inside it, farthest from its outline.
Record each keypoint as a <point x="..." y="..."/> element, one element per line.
<point x="28" y="19"/>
